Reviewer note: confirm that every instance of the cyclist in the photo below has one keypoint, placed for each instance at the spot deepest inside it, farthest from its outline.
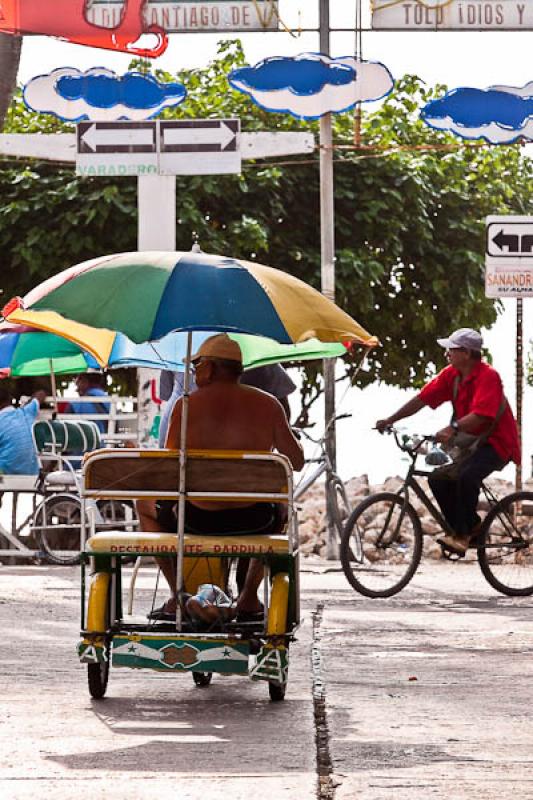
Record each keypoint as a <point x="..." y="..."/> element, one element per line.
<point x="480" y="408"/>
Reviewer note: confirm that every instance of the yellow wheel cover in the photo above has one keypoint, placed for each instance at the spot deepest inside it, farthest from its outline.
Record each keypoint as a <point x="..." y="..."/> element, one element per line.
<point x="97" y="608"/>
<point x="279" y="605"/>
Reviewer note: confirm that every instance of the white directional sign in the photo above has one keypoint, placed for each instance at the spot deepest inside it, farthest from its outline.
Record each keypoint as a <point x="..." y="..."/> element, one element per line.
<point x="117" y="148"/>
<point x="184" y="147"/>
<point x="215" y="143"/>
<point x="509" y="257"/>
<point x="452" y="15"/>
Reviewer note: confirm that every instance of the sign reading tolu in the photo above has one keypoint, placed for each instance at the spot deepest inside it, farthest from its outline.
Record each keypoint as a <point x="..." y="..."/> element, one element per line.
<point x="455" y="15"/>
<point x="193" y="16"/>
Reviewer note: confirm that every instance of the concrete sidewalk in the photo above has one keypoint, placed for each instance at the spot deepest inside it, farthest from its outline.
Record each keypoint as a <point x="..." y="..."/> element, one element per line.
<point x="427" y="695"/>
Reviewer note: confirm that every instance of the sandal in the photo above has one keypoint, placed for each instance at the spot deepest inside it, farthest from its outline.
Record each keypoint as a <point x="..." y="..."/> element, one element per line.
<point x="162" y="613"/>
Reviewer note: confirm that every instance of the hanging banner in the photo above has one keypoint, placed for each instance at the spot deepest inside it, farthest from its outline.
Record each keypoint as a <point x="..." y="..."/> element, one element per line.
<point x="312" y="84"/>
<point x="500" y="114"/>
<point x="100" y="94"/>
<point x="191" y="16"/>
<point x="457" y="15"/>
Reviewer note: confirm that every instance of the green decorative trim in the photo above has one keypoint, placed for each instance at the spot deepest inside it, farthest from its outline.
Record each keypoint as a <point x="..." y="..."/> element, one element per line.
<point x="92" y="651"/>
<point x="180" y="654"/>
<point x="272" y="664"/>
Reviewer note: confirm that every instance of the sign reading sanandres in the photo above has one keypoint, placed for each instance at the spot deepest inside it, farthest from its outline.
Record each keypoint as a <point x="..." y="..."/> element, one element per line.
<point x="509" y="256"/>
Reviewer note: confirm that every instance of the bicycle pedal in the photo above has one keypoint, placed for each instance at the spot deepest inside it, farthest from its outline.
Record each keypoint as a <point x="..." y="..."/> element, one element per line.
<point x="451" y="555"/>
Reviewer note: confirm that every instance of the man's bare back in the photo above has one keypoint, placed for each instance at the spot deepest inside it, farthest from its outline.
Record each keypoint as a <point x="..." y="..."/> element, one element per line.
<point x="227" y="416"/>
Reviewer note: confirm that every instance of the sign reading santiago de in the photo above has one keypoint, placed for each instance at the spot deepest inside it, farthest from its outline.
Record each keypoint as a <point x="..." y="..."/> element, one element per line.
<point x="192" y="15"/>
<point x="494" y="15"/>
<point x="509" y="257"/>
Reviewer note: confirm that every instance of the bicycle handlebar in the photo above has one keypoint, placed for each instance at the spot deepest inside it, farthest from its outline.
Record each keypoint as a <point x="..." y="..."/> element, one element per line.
<point x="409" y="443"/>
<point x="320" y="440"/>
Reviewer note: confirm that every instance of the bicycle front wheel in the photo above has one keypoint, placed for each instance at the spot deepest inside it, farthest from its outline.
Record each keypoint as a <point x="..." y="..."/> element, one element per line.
<point x="505" y="549"/>
<point x="340" y="505"/>
<point x="381" y="545"/>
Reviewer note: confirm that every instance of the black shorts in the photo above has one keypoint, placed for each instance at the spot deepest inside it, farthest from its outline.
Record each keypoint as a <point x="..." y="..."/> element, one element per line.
<point x="257" y="518"/>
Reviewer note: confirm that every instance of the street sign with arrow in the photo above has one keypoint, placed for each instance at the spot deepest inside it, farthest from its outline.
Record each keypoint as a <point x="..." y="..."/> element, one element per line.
<point x="509" y="257"/>
<point x="117" y="148"/>
<point x="177" y="147"/>
<point x="200" y="147"/>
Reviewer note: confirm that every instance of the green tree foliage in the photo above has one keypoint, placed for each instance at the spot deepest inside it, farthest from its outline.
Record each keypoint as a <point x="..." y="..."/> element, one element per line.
<point x="410" y="208"/>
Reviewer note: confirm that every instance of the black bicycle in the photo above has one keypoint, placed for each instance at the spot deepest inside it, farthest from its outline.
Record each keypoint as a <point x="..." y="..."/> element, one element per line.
<point x="381" y="545"/>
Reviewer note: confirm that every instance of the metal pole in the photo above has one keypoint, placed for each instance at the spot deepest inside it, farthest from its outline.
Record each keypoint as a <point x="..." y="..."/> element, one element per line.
<point x="327" y="239"/>
<point x="519" y="383"/>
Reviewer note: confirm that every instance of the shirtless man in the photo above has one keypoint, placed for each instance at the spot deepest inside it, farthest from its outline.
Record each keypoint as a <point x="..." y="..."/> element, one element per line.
<point x="223" y="415"/>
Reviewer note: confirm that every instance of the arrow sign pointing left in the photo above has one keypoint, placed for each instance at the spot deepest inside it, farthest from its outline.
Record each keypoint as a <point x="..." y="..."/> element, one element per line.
<point x="112" y="137"/>
<point x="510" y="242"/>
<point x="509" y="256"/>
<point x="510" y="237"/>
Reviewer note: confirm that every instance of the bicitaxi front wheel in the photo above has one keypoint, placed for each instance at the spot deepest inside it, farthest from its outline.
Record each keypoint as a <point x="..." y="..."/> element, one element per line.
<point x="505" y="549"/>
<point x="381" y="545"/>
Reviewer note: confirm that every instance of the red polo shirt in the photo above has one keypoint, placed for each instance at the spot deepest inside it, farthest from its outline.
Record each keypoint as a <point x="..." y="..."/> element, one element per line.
<point x="480" y="393"/>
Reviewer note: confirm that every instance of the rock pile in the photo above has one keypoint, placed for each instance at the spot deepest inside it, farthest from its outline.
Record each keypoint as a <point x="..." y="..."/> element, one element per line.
<point x="312" y="512"/>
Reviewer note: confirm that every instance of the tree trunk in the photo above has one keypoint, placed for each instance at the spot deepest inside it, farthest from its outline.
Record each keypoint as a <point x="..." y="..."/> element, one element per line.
<point x="10" y="47"/>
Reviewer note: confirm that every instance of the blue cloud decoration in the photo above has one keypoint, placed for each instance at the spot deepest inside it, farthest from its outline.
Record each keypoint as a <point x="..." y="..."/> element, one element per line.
<point x="100" y="94"/>
<point x="312" y="84"/>
<point x="500" y="114"/>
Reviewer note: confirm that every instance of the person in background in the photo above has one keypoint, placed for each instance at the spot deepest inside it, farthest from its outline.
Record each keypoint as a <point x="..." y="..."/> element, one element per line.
<point x="271" y="378"/>
<point x="90" y="384"/>
<point x="18" y="455"/>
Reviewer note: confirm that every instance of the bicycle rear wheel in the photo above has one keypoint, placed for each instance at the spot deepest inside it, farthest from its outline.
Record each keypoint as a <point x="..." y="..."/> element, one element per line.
<point x="505" y="550"/>
<point x="57" y="527"/>
<point x="381" y="545"/>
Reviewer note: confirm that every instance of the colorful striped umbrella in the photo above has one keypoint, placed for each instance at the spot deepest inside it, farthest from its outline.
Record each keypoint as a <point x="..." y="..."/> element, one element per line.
<point x="27" y="352"/>
<point x="147" y="295"/>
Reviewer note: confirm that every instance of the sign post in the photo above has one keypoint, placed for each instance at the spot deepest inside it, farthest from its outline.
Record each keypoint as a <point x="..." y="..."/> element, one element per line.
<point x="509" y="273"/>
<point x="327" y="238"/>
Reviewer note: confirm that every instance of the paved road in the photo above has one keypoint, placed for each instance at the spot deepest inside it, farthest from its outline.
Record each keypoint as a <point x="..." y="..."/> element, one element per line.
<point x="462" y="729"/>
<point x="429" y="693"/>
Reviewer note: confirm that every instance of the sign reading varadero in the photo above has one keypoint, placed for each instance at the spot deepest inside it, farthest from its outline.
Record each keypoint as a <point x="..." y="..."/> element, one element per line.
<point x="193" y="16"/>
<point x="456" y="15"/>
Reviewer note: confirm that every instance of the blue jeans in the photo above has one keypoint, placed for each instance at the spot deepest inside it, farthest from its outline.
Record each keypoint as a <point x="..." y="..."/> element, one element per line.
<point x="458" y="499"/>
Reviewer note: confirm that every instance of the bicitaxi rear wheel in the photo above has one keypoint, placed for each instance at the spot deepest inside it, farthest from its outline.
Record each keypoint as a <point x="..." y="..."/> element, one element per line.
<point x="505" y="549"/>
<point x="381" y="545"/>
<point x="202" y="678"/>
